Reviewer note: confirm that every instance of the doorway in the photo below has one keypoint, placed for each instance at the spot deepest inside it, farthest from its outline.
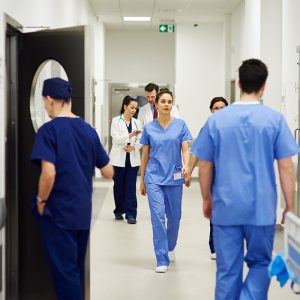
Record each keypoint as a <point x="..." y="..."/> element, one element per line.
<point x="27" y="276"/>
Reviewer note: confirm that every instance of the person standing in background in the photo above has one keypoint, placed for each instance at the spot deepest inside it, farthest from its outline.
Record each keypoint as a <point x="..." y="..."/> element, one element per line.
<point x="216" y="104"/>
<point x="67" y="150"/>
<point x="165" y="145"/>
<point x="125" y="157"/>
<point x="149" y="112"/>
<point x="236" y="150"/>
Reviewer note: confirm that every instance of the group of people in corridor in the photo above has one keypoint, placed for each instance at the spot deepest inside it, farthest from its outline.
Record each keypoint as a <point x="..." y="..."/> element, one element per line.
<point x="235" y="151"/>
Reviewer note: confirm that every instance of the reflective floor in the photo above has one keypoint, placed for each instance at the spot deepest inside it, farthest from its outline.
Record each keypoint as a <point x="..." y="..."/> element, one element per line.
<point x="122" y="258"/>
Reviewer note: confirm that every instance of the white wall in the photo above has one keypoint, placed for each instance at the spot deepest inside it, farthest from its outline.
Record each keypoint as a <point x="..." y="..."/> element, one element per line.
<point x="140" y="57"/>
<point x="271" y="51"/>
<point x="290" y="71"/>
<point x="200" y="71"/>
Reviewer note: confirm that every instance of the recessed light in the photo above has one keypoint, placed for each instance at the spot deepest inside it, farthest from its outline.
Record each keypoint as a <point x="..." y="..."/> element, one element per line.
<point x="137" y="19"/>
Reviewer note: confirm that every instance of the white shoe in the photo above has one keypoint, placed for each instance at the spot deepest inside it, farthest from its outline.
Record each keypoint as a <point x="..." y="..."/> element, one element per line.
<point x="172" y="256"/>
<point x="161" y="269"/>
<point x="213" y="256"/>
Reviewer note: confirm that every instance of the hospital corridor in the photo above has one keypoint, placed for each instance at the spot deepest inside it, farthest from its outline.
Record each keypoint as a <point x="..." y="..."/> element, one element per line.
<point x="122" y="260"/>
<point x="111" y="112"/>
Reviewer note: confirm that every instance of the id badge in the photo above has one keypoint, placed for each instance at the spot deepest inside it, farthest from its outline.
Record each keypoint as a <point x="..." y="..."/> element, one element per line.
<point x="177" y="175"/>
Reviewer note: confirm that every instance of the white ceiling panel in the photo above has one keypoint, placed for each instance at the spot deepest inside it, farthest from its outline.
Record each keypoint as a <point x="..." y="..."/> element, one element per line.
<point x="106" y="5"/>
<point x="169" y="11"/>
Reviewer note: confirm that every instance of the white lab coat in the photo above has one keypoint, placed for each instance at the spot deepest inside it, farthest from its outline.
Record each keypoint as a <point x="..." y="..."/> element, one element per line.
<point x="120" y="138"/>
<point x="146" y="115"/>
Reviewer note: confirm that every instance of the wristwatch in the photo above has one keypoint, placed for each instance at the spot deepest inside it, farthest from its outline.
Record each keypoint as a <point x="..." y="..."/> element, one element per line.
<point x="40" y="200"/>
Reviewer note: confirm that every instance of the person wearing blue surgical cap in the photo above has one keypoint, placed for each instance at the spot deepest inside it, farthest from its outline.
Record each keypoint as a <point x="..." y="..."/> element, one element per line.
<point x="165" y="145"/>
<point x="67" y="150"/>
<point x="240" y="143"/>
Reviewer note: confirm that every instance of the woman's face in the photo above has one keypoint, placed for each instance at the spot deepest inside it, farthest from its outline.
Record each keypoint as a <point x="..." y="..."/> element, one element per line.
<point x="130" y="109"/>
<point x="217" y="106"/>
<point x="164" y="104"/>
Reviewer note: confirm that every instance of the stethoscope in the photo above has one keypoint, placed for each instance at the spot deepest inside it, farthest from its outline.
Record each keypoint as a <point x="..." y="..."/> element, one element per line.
<point x="132" y="122"/>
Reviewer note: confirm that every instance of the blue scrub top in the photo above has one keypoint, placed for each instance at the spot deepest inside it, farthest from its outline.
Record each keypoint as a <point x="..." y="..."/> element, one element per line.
<point x="165" y="158"/>
<point x="73" y="146"/>
<point x="242" y="141"/>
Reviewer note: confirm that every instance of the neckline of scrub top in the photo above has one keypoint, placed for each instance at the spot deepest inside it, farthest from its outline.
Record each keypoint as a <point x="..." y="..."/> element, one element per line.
<point x="163" y="127"/>
<point x="246" y="103"/>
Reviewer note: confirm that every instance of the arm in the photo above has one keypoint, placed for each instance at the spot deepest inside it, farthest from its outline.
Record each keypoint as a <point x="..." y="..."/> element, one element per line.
<point x="192" y="164"/>
<point x="144" y="161"/>
<point x="287" y="182"/>
<point x="46" y="182"/>
<point x="205" y="180"/>
<point x="107" y="171"/>
<point x="186" y="158"/>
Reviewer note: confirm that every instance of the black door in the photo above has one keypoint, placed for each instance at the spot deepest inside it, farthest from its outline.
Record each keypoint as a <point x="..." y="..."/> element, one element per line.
<point x="27" y="271"/>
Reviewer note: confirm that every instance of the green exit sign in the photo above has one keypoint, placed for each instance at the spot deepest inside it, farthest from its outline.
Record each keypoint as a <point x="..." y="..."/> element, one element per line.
<point x="166" y="28"/>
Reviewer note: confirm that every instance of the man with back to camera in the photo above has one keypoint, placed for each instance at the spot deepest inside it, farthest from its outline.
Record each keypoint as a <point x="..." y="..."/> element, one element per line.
<point x="241" y="143"/>
<point x="148" y="112"/>
<point x="67" y="149"/>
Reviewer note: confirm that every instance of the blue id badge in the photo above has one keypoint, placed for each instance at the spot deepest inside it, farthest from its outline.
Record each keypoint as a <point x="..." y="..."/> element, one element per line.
<point x="177" y="173"/>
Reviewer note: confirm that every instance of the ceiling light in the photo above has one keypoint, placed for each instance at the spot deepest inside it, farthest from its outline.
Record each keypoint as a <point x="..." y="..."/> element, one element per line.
<point x="137" y="19"/>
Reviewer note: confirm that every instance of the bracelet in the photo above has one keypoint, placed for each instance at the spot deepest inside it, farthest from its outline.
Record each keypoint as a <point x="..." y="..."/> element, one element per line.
<point x="40" y="200"/>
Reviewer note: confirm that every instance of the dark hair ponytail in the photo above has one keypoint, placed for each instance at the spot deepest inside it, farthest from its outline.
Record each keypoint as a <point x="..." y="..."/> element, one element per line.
<point x="126" y="101"/>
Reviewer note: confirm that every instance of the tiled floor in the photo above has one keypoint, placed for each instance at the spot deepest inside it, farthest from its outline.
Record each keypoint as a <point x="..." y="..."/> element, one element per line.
<point x="122" y="258"/>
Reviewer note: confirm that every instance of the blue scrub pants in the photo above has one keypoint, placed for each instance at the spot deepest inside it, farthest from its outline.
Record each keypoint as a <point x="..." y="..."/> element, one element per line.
<point x="125" y="191"/>
<point x="66" y="251"/>
<point x="211" y="238"/>
<point x="164" y="201"/>
<point x="229" y="246"/>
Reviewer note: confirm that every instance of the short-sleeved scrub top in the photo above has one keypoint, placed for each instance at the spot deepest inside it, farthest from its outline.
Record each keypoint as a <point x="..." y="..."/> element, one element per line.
<point x="165" y="158"/>
<point x="242" y="141"/>
<point x="73" y="146"/>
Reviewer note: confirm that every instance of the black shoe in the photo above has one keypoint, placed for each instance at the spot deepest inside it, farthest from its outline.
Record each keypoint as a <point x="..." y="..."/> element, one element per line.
<point x="119" y="217"/>
<point x="131" y="221"/>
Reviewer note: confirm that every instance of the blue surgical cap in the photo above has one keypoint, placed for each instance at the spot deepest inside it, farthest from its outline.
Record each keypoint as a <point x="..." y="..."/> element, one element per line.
<point x="57" y="88"/>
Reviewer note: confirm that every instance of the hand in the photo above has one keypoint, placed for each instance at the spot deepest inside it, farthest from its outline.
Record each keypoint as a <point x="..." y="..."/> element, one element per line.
<point x="284" y="213"/>
<point x="41" y="208"/>
<point x="188" y="181"/>
<point x="134" y="133"/>
<point x="207" y="207"/>
<point x="128" y="148"/>
<point x="185" y="172"/>
<point x="143" y="188"/>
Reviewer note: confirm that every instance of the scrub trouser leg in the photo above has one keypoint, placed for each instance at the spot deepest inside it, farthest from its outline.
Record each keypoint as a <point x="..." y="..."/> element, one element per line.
<point x="211" y="238"/>
<point x="130" y="203"/>
<point x="125" y="191"/>
<point x="119" y="186"/>
<point x="229" y="246"/>
<point x="66" y="251"/>
<point x="260" y="241"/>
<point x="164" y="201"/>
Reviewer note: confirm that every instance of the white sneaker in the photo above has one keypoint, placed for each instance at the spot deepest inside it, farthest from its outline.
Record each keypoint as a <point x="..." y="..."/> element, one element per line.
<point x="172" y="256"/>
<point x="213" y="256"/>
<point x="161" y="269"/>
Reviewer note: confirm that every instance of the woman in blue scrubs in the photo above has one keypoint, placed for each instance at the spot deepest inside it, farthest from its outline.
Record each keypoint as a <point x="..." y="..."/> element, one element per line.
<point x="166" y="145"/>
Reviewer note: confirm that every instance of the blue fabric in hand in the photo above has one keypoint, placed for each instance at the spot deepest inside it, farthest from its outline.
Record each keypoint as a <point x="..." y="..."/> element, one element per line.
<point x="279" y="268"/>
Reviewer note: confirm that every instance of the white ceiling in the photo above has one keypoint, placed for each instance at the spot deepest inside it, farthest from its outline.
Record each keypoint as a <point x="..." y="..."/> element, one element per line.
<point x="111" y="12"/>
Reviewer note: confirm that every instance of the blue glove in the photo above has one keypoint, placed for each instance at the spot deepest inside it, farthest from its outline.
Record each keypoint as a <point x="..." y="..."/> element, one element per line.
<point x="279" y="268"/>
